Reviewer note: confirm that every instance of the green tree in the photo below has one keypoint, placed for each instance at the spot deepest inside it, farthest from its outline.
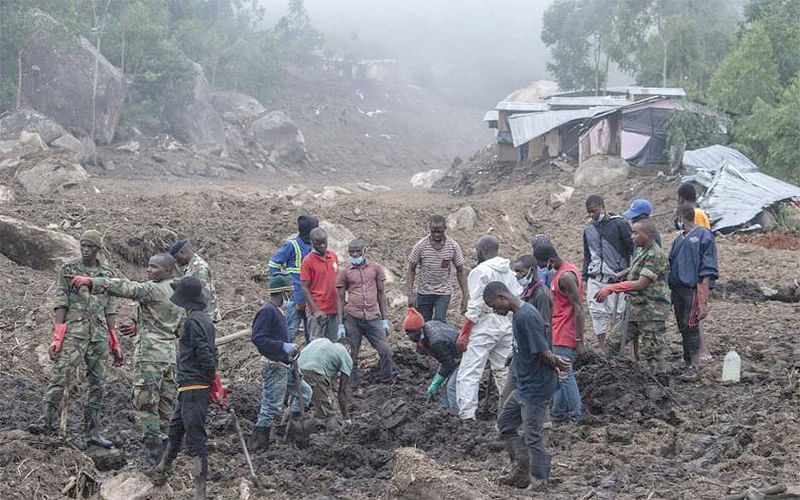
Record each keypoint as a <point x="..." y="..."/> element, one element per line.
<point x="748" y="72"/>
<point x="563" y="32"/>
<point x="296" y="37"/>
<point x="781" y="19"/>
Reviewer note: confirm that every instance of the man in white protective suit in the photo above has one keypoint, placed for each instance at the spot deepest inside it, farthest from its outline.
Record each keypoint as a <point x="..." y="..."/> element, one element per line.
<point x="485" y="335"/>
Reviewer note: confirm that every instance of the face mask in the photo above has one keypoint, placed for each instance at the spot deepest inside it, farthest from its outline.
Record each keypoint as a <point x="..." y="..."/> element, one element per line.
<point x="601" y="217"/>
<point x="679" y="225"/>
<point x="356" y="261"/>
<point x="525" y="281"/>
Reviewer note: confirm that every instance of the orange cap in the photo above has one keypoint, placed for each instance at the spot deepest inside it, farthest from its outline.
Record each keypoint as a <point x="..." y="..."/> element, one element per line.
<point x="414" y="320"/>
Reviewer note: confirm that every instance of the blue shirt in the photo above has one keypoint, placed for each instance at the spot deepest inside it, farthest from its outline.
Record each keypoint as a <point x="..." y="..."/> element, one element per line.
<point x="287" y="260"/>
<point x="693" y="256"/>
<point x="270" y="332"/>
<point x="535" y="380"/>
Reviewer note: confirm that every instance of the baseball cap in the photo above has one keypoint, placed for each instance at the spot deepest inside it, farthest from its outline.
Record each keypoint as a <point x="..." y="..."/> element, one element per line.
<point x="638" y="208"/>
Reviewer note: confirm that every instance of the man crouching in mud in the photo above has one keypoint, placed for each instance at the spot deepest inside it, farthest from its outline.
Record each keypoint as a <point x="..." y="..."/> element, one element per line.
<point x="536" y="382"/>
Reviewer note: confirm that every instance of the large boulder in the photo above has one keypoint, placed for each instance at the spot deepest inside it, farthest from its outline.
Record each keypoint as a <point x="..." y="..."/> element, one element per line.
<point x="339" y="237"/>
<point x="30" y="121"/>
<point x="35" y="247"/>
<point x="427" y="179"/>
<point x="133" y="485"/>
<point x="277" y="132"/>
<point x="44" y="175"/>
<point x="194" y="120"/>
<point x="58" y="80"/>
<point x="462" y="219"/>
<point x="236" y="108"/>
<point x="601" y="171"/>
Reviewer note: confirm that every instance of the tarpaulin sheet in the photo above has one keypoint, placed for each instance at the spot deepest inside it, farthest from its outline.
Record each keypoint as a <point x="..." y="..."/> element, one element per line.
<point x="736" y="192"/>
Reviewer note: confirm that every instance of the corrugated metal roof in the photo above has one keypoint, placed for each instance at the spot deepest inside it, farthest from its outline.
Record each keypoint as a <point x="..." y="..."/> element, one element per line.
<point x="522" y="106"/>
<point x="665" y="91"/>
<point x="526" y="127"/>
<point x="736" y="192"/>
<point x="586" y="101"/>
<point x="491" y="116"/>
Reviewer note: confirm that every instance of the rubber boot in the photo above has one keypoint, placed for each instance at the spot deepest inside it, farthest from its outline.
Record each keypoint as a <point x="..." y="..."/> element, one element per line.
<point x="160" y="470"/>
<point x="92" y="427"/>
<point x="540" y="471"/>
<point x="201" y="473"/>
<point x="155" y="448"/>
<point x="520" y="463"/>
<point x="259" y="439"/>
<point x="47" y="423"/>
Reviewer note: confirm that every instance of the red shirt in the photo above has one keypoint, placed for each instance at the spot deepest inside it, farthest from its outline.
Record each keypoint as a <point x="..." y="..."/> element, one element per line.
<point x="322" y="273"/>
<point x="361" y="285"/>
<point x="563" y="312"/>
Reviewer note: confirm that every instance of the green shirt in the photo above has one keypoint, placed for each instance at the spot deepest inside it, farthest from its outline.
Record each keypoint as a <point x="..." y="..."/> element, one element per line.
<point x="326" y="358"/>
<point x="86" y="312"/>
<point x="652" y="303"/>
<point x="157" y="318"/>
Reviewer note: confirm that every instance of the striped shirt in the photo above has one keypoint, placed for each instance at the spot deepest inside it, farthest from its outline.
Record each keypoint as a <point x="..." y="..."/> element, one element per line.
<point x="433" y="266"/>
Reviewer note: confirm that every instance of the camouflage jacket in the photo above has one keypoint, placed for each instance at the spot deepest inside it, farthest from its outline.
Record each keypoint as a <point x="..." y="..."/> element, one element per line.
<point x="86" y="313"/>
<point x="157" y="319"/>
<point x="198" y="268"/>
<point x="652" y="303"/>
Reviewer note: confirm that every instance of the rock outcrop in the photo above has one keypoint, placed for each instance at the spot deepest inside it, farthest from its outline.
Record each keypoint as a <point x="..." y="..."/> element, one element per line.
<point x="51" y="173"/>
<point x="58" y="80"/>
<point x="601" y="171"/>
<point x="28" y="120"/>
<point x="276" y="132"/>
<point x="237" y="108"/>
<point x="195" y="121"/>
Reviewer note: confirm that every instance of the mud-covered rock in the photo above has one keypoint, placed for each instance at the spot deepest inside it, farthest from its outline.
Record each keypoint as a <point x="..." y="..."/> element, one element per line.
<point x="195" y="121"/>
<point x="58" y="80"/>
<point x="601" y="171"/>
<point x="32" y="121"/>
<point x="462" y="219"/>
<point x="275" y="131"/>
<point x="106" y="459"/>
<point x="415" y="476"/>
<point x="68" y="142"/>
<point x="235" y="107"/>
<point x="558" y="198"/>
<point x="51" y="174"/>
<point x="132" y="485"/>
<point x="427" y="179"/>
<point x="36" y="247"/>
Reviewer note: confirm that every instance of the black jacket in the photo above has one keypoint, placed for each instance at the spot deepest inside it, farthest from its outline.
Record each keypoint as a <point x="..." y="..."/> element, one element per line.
<point x="197" y="351"/>
<point x="440" y="339"/>
<point x="610" y="239"/>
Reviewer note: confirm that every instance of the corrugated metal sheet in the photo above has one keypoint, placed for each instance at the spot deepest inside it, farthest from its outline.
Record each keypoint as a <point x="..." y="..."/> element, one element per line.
<point x="665" y="91"/>
<point x="586" y="101"/>
<point x="736" y="192"/>
<point x="522" y="106"/>
<point x="526" y="127"/>
<point x="491" y="116"/>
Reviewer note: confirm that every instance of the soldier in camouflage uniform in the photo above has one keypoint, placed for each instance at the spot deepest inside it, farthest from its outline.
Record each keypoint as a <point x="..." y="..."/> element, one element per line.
<point x="83" y="330"/>
<point x="156" y="324"/>
<point x="650" y="300"/>
<point x="195" y="266"/>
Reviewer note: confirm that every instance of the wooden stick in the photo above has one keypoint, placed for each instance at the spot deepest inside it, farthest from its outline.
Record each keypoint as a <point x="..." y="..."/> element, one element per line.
<point x="230" y="338"/>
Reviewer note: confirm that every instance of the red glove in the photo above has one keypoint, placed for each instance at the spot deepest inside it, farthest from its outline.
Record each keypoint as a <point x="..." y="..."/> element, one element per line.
<point x="116" y="350"/>
<point x="702" y="300"/>
<point x="603" y="293"/>
<point x="130" y="329"/>
<point x="463" y="336"/>
<point x="218" y="393"/>
<point x="79" y="281"/>
<point x="59" y="332"/>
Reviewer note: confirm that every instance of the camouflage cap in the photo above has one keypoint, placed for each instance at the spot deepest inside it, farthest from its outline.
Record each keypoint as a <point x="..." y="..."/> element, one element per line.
<point x="94" y="237"/>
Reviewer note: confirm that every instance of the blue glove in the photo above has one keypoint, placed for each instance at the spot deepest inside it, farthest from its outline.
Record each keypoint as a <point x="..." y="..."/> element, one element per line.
<point x="385" y="323"/>
<point x="289" y="348"/>
<point x="342" y="332"/>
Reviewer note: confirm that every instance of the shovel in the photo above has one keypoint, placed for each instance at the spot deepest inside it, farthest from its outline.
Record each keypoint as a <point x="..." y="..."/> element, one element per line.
<point x="244" y="446"/>
<point x="298" y="428"/>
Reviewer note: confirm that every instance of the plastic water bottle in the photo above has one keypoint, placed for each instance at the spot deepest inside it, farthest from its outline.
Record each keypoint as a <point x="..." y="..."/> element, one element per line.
<point x="731" y="367"/>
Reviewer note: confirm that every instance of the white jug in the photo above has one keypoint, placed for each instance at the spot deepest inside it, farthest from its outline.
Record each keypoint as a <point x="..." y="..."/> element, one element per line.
<point x="731" y="367"/>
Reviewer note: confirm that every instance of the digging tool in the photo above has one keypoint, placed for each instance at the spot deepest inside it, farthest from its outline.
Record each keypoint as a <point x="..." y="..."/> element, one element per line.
<point x="244" y="445"/>
<point x="298" y="429"/>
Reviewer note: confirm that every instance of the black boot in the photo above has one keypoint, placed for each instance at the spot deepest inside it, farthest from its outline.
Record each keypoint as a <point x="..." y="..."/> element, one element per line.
<point x="259" y="439"/>
<point x="200" y="475"/>
<point x="92" y="428"/>
<point x="47" y="423"/>
<point x="169" y="455"/>
<point x="520" y="463"/>
<point x="540" y="472"/>
<point x="155" y="448"/>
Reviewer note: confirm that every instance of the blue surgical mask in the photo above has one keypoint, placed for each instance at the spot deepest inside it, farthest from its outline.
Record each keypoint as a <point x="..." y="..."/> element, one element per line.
<point x="356" y="261"/>
<point x="524" y="282"/>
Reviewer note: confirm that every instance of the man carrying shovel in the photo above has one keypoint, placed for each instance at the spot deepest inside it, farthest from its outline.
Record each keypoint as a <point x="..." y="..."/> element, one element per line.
<point x="274" y="342"/>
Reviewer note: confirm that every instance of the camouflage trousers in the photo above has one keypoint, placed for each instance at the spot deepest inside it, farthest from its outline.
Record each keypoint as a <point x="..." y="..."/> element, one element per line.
<point x="153" y="397"/>
<point x="652" y="337"/>
<point x="74" y="351"/>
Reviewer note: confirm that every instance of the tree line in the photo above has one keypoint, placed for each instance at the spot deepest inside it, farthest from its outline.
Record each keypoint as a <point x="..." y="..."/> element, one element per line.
<point x="741" y="57"/>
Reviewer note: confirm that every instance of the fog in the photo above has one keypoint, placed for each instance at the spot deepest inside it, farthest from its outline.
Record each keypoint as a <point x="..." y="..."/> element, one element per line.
<point x="473" y="51"/>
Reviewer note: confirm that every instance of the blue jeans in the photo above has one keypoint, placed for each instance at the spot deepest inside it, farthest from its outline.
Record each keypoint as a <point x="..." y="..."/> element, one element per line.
<point x="277" y="380"/>
<point x="433" y="306"/>
<point x="567" y="400"/>
<point x="447" y="396"/>
<point x="293" y="319"/>
<point x="357" y="328"/>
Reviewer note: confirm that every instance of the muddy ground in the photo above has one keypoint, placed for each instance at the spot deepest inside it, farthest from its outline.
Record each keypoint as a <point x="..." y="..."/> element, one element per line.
<point x="696" y="440"/>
